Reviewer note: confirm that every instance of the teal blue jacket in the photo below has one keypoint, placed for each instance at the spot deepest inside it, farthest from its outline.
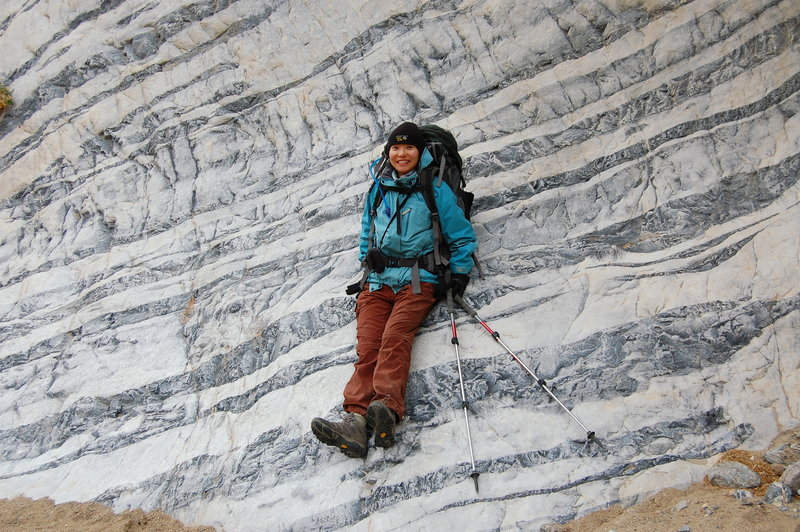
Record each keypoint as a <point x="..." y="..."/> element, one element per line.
<point x="415" y="237"/>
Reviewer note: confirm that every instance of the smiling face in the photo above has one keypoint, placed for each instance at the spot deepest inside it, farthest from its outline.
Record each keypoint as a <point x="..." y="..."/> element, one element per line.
<point x="403" y="158"/>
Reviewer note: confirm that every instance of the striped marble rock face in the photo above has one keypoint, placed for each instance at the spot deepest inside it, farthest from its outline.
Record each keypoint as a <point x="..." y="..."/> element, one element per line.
<point x="180" y="191"/>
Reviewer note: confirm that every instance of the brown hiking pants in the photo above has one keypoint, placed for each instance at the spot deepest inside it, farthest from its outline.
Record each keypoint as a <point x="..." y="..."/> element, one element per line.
<point x="386" y="323"/>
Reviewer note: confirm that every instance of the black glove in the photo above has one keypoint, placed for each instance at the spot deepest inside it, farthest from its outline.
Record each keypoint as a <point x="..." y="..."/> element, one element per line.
<point x="458" y="283"/>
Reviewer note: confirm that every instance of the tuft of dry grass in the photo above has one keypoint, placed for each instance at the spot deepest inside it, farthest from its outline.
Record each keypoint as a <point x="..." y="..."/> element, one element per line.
<point x="755" y="461"/>
<point x="5" y="98"/>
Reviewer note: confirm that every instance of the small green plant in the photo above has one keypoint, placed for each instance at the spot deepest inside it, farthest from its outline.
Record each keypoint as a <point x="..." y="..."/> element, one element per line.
<point x="5" y="98"/>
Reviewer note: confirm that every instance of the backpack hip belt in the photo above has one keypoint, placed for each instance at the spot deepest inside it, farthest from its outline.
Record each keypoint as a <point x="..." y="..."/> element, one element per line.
<point x="378" y="261"/>
<point x="415" y="263"/>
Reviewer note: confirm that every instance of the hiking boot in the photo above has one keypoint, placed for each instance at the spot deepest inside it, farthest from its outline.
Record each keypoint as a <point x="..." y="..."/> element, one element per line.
<point x="381" y="419"/>
<point x="350" y="435"/>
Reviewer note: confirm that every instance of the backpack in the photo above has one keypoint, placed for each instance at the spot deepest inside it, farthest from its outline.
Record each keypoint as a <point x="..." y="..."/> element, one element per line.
<point x="446" y="167"/>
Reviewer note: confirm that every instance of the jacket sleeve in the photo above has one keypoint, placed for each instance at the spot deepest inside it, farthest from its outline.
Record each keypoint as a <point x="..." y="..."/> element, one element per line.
<point x="366" y="225"/>
<point x="456" y="229"/>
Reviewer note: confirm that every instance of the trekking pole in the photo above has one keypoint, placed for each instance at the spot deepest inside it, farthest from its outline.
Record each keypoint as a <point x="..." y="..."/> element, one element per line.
<point x="590" y="435"/>
<point x="454" y="341"/>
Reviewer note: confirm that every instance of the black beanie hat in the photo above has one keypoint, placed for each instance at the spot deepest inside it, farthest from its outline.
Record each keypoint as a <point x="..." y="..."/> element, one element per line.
<point x="406" y="133"/>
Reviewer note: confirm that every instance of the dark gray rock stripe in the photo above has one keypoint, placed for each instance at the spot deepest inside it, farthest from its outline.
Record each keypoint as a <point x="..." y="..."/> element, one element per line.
<point x="703" y="264"/>
<point x="146" y="44"/>
<point x="731" y="440"/>
<point x="756" y="51"/>
<point x="248" y="479"/>
<point x="744" y="194"/>
<point x="703" y="423"/>
<point x="680" y="340"/>
<point x="294" y="455"/>
<point x="311" y="260"/>
<point x="245" y="359"/>
<point x="692" y="251"/>
<point x="256" y="100"/>
<point x="9" y="19"/>
<point x="273" y="343"/>
<point x="104" y="415"/>
<point x="140" y="47"/>
<point x="513" y="156"/>
<point x="87" y="16"/>
<point x="675" y="341"/>
<point x="699" y="81"/>
<point x="697" y="212"/>
<point x="56" y="344"/>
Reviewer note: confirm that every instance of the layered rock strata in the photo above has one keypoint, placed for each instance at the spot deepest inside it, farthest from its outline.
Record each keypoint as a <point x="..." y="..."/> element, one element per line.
<point x="180" y="189"/>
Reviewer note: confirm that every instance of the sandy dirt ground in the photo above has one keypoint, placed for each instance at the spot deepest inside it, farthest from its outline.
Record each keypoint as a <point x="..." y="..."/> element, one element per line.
<point x="700" y="508"/>
<point x="25" y="515"/>
<point x="703" y="507"/>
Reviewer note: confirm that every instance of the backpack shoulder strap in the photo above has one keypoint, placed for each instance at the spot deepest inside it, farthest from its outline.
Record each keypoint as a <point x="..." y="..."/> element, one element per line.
<point x="426" y="179"/>
<point x="426" y="183"/>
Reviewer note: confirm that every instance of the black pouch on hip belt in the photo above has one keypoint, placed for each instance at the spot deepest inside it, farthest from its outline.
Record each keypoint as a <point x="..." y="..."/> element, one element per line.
<point x="375" y="260"/>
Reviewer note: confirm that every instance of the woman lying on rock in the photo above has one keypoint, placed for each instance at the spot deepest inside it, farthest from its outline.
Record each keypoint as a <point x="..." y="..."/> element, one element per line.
<point x="398" y="290"/>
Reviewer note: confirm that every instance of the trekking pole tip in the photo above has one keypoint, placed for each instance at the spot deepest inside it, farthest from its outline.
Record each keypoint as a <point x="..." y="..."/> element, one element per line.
<point x="593" y="438"/>
<point x="475" y="476"/>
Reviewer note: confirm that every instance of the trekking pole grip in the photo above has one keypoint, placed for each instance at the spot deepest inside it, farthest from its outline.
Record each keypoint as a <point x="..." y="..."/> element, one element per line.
<point x="450" y="301"/>
<point x="463" y="304"/>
